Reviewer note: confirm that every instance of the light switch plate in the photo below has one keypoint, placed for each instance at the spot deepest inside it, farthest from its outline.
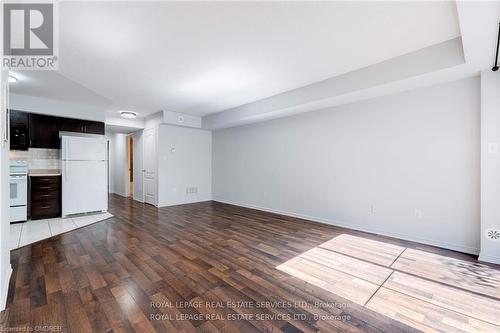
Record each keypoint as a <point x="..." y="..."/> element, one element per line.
<point x="492" y="147"/>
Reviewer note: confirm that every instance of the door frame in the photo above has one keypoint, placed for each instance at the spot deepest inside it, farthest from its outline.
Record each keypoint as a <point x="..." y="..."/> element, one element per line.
<point x="138" y="139"/>
<point x="130" y="165"/>
<point x="154" y="163"/>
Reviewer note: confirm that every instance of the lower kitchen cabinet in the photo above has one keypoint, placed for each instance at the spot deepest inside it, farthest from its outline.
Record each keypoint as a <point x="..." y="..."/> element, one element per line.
<point x="45" y="197"/>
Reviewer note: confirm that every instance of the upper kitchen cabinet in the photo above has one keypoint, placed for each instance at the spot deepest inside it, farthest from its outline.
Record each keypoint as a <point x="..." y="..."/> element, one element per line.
<point x="73" y="125"/>
<point x="82" y="126"/>
<point x="94" y="127"/>
<point x="19" y="119"/>
<point x="31" y="130"/>
<point x="44" y="131"/>
<point x="19" y="130"/>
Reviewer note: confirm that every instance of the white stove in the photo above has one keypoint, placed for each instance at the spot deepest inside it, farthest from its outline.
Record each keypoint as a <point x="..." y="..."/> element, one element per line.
<point x="18" y="191"/>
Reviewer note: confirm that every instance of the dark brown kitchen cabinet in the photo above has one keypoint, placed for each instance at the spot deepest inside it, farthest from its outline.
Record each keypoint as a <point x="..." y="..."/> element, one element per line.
<point x="31" y="130"/>
<point x="72" y="125"/>
<point x="19" y="130"/>
<point x="45" y="197"/>
<point x="94" y="127"/>
<point x="44" y="131"/>
<point x="19" y="119"/>
<point x="82" y="126"/>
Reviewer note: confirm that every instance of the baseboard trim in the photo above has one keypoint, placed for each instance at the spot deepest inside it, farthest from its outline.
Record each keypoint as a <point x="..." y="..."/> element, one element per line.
<point x="5" y="289"/>
<point x="489" y="258"/>
<point x="162" y="205"/>
<point x="138" y="200"/>
<point x="120" y="194"/>
<point x="432" y="242"/>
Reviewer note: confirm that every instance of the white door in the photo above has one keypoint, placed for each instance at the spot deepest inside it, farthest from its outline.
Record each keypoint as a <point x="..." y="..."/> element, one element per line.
<point x="150" y="194"/>
<point x="138" y="194"/>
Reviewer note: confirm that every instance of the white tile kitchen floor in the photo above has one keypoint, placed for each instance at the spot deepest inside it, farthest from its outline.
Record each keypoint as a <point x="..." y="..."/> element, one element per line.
<point x="22" y="234"/>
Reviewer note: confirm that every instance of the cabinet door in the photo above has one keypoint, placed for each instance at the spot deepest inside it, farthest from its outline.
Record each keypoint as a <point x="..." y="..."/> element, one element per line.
<point x="19" y="133"/>
<point x="44" y="131"/>
<point x="94" y="127"/>
<point x="45" y="196"/>
<point x="72" y="125"/>
<point x="19" y="119"/>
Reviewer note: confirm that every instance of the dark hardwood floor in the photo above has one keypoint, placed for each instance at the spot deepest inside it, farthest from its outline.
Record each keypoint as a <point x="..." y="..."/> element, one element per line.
<point x="204" y="267"/>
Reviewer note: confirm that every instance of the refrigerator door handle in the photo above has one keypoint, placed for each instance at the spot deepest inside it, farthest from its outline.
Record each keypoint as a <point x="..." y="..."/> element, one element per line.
<point x="66" y="170"/>
<point x="66" y="146"/>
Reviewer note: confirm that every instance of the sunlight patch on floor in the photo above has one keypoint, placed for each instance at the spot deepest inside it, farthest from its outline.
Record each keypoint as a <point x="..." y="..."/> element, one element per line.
<point x="423" y="290"/>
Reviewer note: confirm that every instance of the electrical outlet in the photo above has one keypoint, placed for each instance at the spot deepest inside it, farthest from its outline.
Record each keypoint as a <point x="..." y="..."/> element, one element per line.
<point x="191" y="190"/>
<point x="418" y="213"/>
<point x="373" y="210"/>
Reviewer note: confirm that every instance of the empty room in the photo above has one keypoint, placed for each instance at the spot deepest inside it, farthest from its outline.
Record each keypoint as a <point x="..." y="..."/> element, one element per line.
<point x="250" y="166"/>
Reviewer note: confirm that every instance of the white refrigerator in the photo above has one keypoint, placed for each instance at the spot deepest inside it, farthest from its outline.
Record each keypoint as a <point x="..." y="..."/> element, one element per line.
<point x="84" y="175"/>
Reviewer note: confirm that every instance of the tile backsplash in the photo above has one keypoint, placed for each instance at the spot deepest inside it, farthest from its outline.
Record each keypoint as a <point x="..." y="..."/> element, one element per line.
<point x="38" y="158"/>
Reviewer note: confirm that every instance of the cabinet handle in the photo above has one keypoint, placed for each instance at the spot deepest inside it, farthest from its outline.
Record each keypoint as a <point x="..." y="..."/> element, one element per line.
<point x="7" y="124"/>
<point x="44" y="207"/>
<point x="44" y="187"/>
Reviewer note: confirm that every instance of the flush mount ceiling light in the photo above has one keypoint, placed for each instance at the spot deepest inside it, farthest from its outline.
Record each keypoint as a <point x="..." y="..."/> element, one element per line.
<point x="12" y="78"/>
<point x="128" y="114"/>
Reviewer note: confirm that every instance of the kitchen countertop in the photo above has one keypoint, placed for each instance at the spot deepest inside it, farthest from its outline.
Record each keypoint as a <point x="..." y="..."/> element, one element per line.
<point x="44" y="172"/>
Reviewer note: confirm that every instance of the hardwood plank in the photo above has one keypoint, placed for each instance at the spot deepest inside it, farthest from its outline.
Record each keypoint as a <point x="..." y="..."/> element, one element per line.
<point x="342" y="284"/>
<point x="103" y="277"/>
<point x="454" y="299"/>
<point x="363" y="248"/>
<point x="471" y="276"/>
<point x="425" y="316"/>
<point x="358" y="268"/>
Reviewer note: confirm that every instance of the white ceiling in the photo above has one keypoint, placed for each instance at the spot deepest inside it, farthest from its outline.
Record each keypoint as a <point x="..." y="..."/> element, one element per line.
<point x="51" y="84"/>
<point x="205" y="57"/>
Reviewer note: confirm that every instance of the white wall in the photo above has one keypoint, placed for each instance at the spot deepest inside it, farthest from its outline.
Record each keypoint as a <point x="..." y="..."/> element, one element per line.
<point x="414" y="150"/>
<point x="119" y="164"/>
<point x="490" y="164"/>
<point x="153" y="120"/>
<point x="184" y="160"/>
<point x="58" y="108"/>
<point x="5" y="267"/>
<point x="181" y="119"/>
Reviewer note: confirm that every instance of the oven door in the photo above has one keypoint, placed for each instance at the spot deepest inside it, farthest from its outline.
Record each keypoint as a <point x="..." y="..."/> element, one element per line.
<point x="18" y="190"/>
